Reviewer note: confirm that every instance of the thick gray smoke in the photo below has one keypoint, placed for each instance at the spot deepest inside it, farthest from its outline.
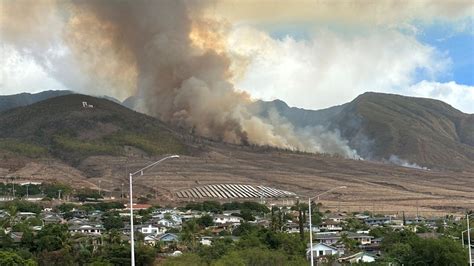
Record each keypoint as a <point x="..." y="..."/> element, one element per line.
<point x="164" y="52"/>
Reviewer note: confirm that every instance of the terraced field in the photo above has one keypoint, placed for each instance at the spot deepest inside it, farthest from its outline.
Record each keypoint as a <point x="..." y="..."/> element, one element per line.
<point x="233" y="191"/>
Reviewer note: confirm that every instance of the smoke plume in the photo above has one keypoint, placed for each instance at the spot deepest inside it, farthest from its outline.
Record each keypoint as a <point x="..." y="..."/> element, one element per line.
<point x="168" y="54"/>
<point x="399" y="161"/>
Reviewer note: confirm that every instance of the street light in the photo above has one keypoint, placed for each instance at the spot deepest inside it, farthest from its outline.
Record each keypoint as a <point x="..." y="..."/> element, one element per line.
<point x="132" y="239"/>
<point x="469" y="239"/>
<point x="310" y="226"/>
<point x="462" y="237"/>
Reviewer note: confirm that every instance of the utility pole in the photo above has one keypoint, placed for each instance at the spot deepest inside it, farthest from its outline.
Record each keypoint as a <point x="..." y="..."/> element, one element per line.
<point x="121" y="193"/>
<point x="59" y="194"/>
<point x="100" y="181"/>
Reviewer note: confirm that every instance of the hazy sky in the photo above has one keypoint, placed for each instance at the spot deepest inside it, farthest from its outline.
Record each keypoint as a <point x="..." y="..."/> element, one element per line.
<point x="311" y="54"/>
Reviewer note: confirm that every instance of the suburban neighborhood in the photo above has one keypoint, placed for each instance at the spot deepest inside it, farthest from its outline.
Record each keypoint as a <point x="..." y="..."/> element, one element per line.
<point x="170" y="233"/>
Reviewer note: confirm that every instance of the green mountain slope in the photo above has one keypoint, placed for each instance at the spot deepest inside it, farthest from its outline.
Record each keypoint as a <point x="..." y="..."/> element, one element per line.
<point x="63" y="128"/>
<point x="24" y="99"/>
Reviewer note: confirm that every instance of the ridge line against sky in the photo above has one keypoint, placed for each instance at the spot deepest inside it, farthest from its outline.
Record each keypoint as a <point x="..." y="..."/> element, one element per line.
<point x="311" y="54"/>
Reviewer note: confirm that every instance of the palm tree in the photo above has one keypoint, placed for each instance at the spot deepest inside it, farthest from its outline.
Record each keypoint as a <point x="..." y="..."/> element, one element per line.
<point x="190" y="233"/>
<point x="348" y="243"/>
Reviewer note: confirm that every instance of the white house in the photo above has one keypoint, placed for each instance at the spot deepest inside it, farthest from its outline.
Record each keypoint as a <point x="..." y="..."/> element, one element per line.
<point x="321" y="250"/>
<point x="150" y="240"/>
<point x="226" y="219"/>
<point x="166" y="223"/>
<point x="330" y="225"/>
<point x="86" y="229"/>
<point x="336" y="217"/>
<point x="152" y="230"/>
<point x="358" y="258"/>
<point x="177" y="219"/>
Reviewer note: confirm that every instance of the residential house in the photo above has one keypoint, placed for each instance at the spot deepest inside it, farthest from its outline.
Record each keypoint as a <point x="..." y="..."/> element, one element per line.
<point x="377" y="221"/>
<point x="175" y="218"/>
<point x="37" y="197"/>
<point x="330" y="225"/>
<point x="226" y="219"/>
<point x="292" y="228"/>
<point x="363" y="239"/>
<point x="87" y="229"/>
<point x="336" y="217"/>
<point x="333" y="239"/>
<point x="168" y="238"/>
<point x="26" y="215"/>
<point x="77" y="213"/>
<point x="149" y="229"/>
<point x="151" y="240"/>
<point x="166" y="223"/>
<point x="51" y="218"/>
<point x="373" y="247"/>
<point x="414" y="220"/>
<point x="230" y="212"/>
<point x="4" y="214"/>
<point x="322" y="250"/>
<point x="361" y="216"/>
<point x="329" y="238"/>
<point x="77" y="221"/>
<point x="137" y="206"/>
<point x="357" y="258"/>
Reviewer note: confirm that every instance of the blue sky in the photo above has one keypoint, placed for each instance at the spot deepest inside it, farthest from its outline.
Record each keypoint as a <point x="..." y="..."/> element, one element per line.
<point x="458" y="45"/>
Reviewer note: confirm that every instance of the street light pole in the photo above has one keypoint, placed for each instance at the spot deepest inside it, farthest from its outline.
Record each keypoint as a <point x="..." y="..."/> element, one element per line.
<point x="310" y="232"/>
<point x="132" y="239"/>
<point x="310" y="225"/>
<point x="469" y="240"/>
<point x="462" y="236"/>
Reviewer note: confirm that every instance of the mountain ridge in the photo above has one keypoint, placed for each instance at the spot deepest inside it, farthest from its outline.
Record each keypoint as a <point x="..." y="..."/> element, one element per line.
<point x="63" y="128"/>
<point x="424" y="131"/>
<point x="421" y="131"/>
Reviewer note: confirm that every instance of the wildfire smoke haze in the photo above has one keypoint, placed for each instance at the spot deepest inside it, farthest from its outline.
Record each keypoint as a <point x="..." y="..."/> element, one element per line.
<point x="168" y="54"/>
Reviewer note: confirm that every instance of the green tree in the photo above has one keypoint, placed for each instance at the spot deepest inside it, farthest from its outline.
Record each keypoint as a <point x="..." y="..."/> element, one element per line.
<point x="247" y="215"/>
<point x="13" y="259"/>
<point x="349" y="243"/>
<point x="218" y="248"/>
<point x="6" y="242"/>
<point x="205" y="220"/>
<point x="259" y="256"/>
<point x="190" y="234"/>
<point x="185" y="259"/>
<point x="52" y="237"/>
<point x="112" y="221"/>
<point x="406" y="248"/>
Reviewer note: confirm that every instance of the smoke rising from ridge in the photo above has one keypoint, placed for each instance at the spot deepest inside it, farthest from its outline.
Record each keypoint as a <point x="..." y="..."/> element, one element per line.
<point x="172" y="58"/>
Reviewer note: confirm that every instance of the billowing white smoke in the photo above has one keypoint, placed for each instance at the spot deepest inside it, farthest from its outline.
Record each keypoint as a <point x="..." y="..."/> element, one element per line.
<point x="398" y="161"/>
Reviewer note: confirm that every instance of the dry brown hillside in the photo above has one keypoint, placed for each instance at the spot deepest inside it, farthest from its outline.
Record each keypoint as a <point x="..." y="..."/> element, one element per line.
<point x="371" y="186"/>
<point x="57" y="140"/>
